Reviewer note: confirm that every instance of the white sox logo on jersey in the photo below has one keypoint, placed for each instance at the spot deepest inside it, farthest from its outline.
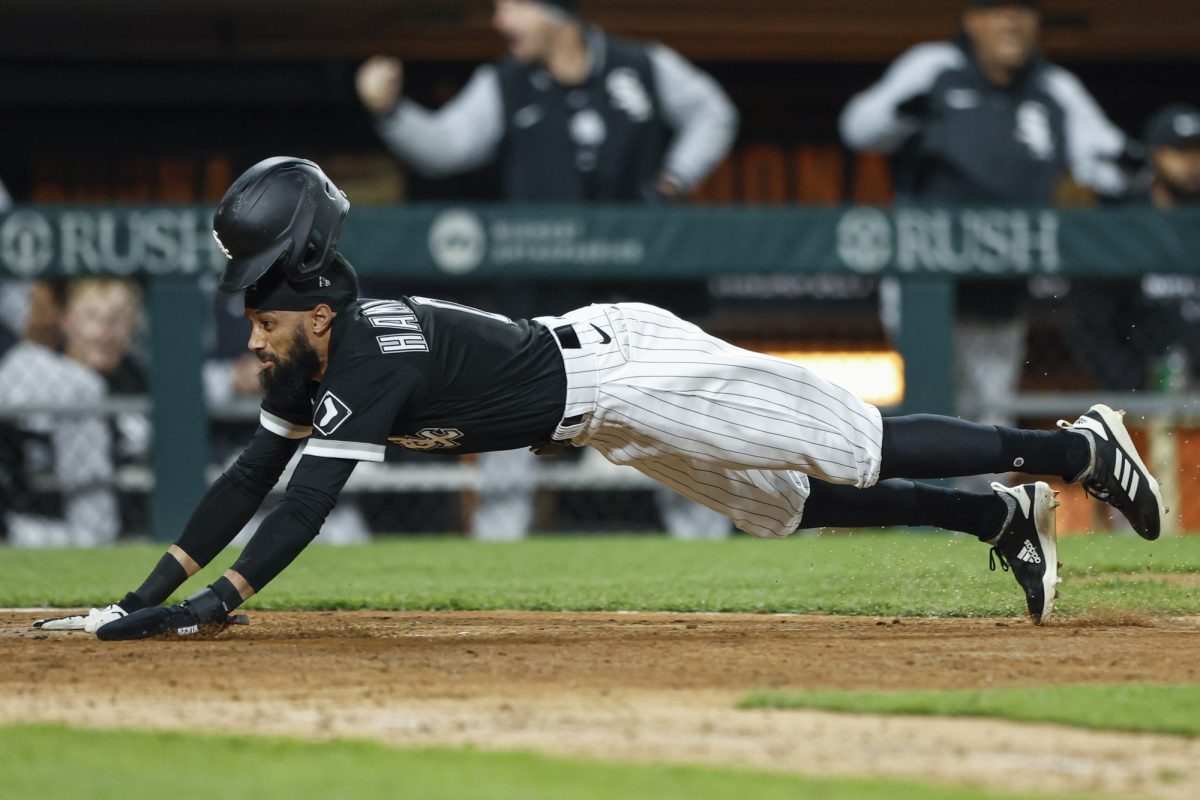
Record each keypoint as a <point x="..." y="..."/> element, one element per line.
<point x="330" y="413"/>
<point x="430" y="439"/>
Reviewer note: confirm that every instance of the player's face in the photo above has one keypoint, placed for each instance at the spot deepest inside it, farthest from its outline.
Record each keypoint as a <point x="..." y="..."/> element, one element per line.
<point x="99" y="325"/>
<point x="1179" y="167"/>
<point x="526" y="27"/>
<point x="287" y="359"/>
<point x="274" y="335"/>
<point x="1004" y="36"/>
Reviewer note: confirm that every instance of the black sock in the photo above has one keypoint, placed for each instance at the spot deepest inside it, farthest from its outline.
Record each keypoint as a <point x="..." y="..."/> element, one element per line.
<point x="929" y="446"/>
<point x="901" y="502"/>
<point x="224" y="589"/>
<point x="1045" y="452"/>
<point x="167" y="576"/>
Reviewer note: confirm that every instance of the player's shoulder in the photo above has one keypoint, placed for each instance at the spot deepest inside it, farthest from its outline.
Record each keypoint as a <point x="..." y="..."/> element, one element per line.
<point x="1063" y="85"/>
<point x="370" y="327"/>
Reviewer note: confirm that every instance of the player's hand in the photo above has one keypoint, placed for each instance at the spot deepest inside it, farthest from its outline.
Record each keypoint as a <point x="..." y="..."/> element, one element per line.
<point x="91" y="621"/>
<point x="82" y="622"/>
<point x="663" y="191"/>
<point x="380" y="81"/>
<point x="202" y="612"/>
<point x="916" y="107"/>
<point x="153" y="621"/>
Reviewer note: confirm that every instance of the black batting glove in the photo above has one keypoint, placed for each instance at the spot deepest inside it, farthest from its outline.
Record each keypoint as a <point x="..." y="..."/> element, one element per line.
<point x="154" y="621"/>
<point x="203" y="611"/>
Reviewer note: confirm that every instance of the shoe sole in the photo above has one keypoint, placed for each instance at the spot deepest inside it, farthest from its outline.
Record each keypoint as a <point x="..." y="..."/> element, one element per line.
<point x="1116" y="424"/>
<point x="1046" y="525"/>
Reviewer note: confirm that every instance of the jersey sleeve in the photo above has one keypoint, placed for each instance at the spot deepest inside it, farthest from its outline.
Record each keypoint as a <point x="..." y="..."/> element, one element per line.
<point x="295" y="522"/>
<point x="293" y="421"/>
<point x="356" y="407"/>
<point x="874" y="119"/>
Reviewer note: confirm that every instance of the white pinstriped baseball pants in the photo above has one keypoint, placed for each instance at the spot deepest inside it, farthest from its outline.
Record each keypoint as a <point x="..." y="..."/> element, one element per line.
<point x="735" y="430"/>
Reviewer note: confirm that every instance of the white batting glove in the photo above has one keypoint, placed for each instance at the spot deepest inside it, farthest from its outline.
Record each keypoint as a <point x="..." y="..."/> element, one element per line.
<point x="88" y="622"/>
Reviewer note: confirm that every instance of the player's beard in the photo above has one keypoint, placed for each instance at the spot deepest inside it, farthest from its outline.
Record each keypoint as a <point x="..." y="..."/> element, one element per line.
<point x="287" y="382"/>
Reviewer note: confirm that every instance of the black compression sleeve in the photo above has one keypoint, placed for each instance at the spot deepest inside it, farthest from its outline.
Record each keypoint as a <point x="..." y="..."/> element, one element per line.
<point x="234" y="497"/>
<point x="296" y="521"/>
<point x="929" y="446"/>
<point x="167" y="576"/>
<point x="900" y="502"/>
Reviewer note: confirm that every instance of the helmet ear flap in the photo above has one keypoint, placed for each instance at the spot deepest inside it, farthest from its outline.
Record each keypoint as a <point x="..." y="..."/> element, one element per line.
<point x="324" y="227"/>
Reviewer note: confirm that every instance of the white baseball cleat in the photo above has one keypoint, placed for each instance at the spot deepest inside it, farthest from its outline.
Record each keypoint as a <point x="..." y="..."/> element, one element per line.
<point x="89" y="622"/>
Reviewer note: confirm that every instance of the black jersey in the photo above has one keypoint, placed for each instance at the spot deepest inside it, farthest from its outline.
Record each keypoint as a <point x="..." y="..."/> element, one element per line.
<point x="601" y="141"/>
<point x="431" y="376"/>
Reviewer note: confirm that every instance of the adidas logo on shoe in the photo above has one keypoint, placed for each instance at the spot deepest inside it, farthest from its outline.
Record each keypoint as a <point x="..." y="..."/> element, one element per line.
<point x="1029" y="554"/>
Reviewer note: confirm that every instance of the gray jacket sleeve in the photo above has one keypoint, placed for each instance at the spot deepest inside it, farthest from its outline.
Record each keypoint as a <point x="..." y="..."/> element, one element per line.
<point x="462" y="135"/>
<point x="1093" y="142"/>
<point x="704" y="119"/>
<point x="872" y="120"/>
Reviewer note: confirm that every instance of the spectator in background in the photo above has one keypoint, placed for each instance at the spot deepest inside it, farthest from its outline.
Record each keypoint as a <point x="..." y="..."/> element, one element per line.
<point x="56" y="466"/>
<point x="100" y="319"/>
<point x="986" y="120"/>
<point x="1132" y="334"/>
<point x="43" y="323"/>
<point x="1173" y="138"/>
<point x="572" y="115"/>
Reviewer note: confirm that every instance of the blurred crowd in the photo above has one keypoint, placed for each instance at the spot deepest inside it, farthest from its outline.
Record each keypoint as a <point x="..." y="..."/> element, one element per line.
<point x="574" y="115"/>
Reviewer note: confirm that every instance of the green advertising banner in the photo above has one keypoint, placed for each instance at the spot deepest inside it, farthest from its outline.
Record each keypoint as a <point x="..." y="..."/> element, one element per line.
<point x="632" y="242"/>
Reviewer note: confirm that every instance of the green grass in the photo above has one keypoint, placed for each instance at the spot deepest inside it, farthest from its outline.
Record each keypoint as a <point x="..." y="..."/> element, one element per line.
<point x="40" y="761"/>
<point x="1130" y="707"/>
<point x="903" y="574"/>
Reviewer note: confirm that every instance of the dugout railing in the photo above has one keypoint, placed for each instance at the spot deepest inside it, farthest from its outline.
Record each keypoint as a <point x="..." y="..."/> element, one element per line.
<point x="170" y="249"/>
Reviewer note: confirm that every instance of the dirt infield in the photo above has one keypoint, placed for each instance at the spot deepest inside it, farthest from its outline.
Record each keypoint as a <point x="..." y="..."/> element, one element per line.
<point x="629" y="686"/>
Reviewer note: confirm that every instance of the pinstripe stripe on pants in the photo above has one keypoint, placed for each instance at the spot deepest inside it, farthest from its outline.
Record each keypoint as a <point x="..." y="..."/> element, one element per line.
<point x="735" y="430"/>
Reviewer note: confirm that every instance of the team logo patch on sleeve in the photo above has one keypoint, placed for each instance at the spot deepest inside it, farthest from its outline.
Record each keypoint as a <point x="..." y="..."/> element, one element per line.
<point x="330" y="413"/>
<point x="429" y="439"/>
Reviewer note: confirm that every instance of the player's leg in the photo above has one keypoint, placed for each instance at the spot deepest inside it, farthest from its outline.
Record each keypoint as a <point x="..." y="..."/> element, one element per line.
<point x="681" y="393"/>
<point x="1096" y="450"/>
<point x="929" y="446"/>
<point x="1017" y="522"/>
<point x="899" y="502"/>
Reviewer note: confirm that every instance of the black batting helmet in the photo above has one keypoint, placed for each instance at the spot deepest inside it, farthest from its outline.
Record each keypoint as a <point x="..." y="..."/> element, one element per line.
<point x="282" y="211"/>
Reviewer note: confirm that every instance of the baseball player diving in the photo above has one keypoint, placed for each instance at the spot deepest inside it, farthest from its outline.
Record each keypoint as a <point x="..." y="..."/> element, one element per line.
<point x="759" y="439"/>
